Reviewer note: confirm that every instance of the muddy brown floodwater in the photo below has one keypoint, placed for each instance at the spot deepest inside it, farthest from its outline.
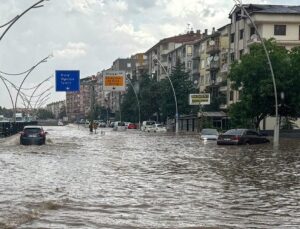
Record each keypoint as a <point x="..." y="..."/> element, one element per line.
<point x="140" y="180"/>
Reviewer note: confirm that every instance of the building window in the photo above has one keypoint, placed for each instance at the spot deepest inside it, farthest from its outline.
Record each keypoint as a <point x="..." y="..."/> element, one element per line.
<point x="232" y="37"/>
<point x="128" y="65"/>
<point x="189" y="64"/>
<point x="231" y="96"/>
<point x="252" y="31"/>
<point x="232" y="56"/>
<point x="189" y="50"/>
<point x="241" y="52"/>
<point x="202" y="64"/>
<point x="241" y="34"/>
<point x="280" y="30"/>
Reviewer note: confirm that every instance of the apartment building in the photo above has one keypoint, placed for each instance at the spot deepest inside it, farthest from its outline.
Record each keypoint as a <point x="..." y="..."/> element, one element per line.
<point x="78" y="104"/>
<point x="56" y="108"/>
<point x="141" y="66"/>
<point x="161" y="50"/>
<point x="281" y="22"/>
<point x="182" y="54"/>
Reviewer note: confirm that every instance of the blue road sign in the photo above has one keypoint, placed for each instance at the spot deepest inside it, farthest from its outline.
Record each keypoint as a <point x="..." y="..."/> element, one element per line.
<point x="67" y="80"/>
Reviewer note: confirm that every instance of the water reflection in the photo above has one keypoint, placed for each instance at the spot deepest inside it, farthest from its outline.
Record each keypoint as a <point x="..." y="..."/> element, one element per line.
<point x="141" y="180"/>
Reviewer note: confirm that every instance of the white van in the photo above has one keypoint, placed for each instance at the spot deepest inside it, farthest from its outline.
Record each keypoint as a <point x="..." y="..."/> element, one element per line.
<point x="147" y="124"/>
<point x="119" y="126"/>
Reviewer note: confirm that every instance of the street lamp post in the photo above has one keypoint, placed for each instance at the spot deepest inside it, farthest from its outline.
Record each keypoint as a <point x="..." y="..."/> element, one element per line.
<point x="137" y="99"/>
<point x="276" y="128"/>
<point x="174" y="94"/>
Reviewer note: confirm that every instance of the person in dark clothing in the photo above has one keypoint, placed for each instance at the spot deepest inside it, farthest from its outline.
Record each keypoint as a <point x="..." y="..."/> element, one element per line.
<point x="91" y="127"/>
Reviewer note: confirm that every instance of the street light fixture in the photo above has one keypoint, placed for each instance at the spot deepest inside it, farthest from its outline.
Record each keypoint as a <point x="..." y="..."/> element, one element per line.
<point x="276" y="128"/>
<point x="15" y="19"/>
<point x="174" y="94"/>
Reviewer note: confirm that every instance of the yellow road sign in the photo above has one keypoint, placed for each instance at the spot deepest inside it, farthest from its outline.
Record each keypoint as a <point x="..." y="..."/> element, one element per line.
<point x="117" y="81"/>
<point x="199" y="99"/>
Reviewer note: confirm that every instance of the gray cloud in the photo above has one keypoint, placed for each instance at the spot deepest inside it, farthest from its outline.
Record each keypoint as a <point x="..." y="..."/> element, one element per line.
<point x="89" y="34"/>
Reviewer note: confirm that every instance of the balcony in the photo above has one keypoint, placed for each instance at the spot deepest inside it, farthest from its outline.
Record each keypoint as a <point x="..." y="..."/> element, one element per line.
<point x="253" y="40"/>
<point x="223" y="106"/>
<point x="213" y="49"/>
<point x="213" y="66"/>
<point x="224" y="68"/>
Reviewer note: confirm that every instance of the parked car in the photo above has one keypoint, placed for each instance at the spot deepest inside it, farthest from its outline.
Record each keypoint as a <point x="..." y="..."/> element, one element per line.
<point x="241" y="136"/>
<point x="33" y="135"/>
<point x="147" y="124"/>
<point x="131" y="126"/>
<point x="156" y="128"/>
<point x="119" y="126"/>
<point x="102" y="124"/>
<point x="209" y="134"/>
<point x="60" y="123"/>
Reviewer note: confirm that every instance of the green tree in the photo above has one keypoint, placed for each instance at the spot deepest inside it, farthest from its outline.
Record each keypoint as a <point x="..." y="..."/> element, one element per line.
<point x="183" y="86"/>
<point x="252" y="77"/>
<point x="44" y="114"/>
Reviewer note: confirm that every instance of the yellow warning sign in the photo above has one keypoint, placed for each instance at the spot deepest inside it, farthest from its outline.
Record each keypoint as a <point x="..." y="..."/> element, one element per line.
<point x="114" y="81"/>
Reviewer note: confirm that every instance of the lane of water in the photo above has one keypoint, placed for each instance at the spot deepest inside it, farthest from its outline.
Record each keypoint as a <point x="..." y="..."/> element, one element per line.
<point x="140" y="180"/>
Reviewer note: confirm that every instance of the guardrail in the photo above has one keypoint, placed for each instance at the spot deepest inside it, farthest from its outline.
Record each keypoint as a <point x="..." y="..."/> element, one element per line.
<point x="10" y="128"/>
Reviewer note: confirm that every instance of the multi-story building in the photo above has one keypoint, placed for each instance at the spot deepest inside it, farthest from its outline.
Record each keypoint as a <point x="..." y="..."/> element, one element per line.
<point x="141" y="66"/>
<point x="281" y="22"/>
<point x="182" y="54"/>
<point x="161" y="50"/>
<point x="56" y="108"/>
<point x="79" y="103"/>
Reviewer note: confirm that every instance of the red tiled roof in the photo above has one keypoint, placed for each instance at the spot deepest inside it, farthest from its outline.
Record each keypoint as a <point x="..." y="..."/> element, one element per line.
<point x="179" y="39"/>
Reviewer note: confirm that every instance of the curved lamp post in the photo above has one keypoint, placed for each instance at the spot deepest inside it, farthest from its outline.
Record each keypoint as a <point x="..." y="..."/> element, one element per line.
<point x="15" y="19"/>
<point x="276" y="129"/>
<point x="16" y="100"/>
<point x="174" y="94"/>
<point x="137" y="99"/>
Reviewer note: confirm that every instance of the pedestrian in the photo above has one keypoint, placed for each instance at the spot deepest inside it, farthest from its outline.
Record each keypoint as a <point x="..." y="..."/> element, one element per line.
<point x="91" y="127"/>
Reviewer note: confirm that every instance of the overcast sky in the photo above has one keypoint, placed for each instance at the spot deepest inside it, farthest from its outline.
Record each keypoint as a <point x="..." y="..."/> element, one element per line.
<point x="88" y="35"/>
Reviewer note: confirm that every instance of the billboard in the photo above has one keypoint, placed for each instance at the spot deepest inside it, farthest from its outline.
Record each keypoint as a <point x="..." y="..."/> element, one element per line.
<point x="114" y="81"/>
<point x="199" y="99"/>
<point x="67" y="80"/>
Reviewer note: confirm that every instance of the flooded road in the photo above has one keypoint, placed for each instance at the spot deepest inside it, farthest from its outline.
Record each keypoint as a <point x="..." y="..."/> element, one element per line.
<point x="141" y="180"/>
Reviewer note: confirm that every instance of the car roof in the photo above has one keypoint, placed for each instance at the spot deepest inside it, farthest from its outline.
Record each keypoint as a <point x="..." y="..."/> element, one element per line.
<point x="30" y="127"/>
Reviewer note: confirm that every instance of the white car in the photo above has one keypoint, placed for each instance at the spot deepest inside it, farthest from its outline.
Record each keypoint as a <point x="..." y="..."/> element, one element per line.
<point x="147" y="124"/>
<point x="157" y="128"/>
<point x="209" y="134"/>
<point x="119" y="126"/>
<point x="60" y="123"/>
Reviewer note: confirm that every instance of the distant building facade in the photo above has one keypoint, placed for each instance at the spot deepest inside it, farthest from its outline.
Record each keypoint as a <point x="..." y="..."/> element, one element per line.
<point x="56" y="108"/>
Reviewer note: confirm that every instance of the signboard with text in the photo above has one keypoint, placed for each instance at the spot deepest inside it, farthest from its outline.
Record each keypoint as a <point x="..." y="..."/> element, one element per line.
<point x="114" y="81"/>
<point x="67" y="80"/>
<point x="199" y="99"/>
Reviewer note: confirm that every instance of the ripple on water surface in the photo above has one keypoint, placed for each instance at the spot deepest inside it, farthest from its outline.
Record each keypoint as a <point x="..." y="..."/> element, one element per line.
<point x="139" y="180"/>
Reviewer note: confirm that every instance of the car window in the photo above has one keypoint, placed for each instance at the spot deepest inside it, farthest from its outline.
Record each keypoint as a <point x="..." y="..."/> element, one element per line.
<point x="251" y="132"/>
<point x="234" y="132"/>
<point x="32" y="130"/>
<point x="209" y="131"/>
<point x="150" y="123"/>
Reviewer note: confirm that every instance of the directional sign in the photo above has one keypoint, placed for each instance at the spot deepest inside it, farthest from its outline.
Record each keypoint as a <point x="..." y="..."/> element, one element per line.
<point x="67" y="80"/>
<point x="114" y="81"/>
<point x="199" y="99"/>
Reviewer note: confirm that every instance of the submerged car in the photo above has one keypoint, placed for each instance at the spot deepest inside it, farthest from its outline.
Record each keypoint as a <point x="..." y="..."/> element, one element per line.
<point x="33" y="135"/>
<point x="156" y="128"/>
<point x="131" y="126"/>
<point x="241" y="137"/>
<point x="147" y="124"/>
<point x="209" y="134"/>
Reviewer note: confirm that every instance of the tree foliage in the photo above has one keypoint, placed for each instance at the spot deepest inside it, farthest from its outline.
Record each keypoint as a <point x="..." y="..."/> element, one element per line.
<point x="157" y="98"/>
<point x="252" y="77"/>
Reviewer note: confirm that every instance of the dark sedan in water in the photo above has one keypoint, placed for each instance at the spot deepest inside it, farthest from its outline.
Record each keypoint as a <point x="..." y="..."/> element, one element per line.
<point x="240" y="137"/>
<point x="33" y="135"/>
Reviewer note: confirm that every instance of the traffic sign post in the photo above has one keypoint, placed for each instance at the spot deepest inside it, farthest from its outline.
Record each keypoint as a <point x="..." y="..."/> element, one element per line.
<point x="67" y="80"/>
<point x="114" y="81"/>
<point x="199" y="99"/>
